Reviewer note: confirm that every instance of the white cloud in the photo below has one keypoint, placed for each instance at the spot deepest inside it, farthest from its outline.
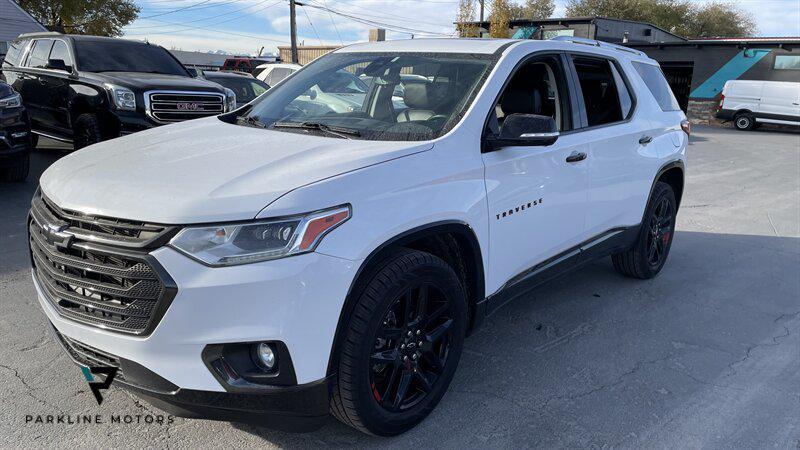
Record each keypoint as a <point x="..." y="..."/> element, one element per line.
<point x="271" y="19"/>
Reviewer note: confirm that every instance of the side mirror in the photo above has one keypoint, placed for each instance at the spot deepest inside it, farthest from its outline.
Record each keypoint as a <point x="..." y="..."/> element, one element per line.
<point x="58" y="64"/>
<point x="526" y="130"/>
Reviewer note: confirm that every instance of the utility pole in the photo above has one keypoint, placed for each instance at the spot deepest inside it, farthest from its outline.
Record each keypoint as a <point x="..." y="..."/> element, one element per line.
<point x="481" y="2"/>
<point x="293" y="28"/>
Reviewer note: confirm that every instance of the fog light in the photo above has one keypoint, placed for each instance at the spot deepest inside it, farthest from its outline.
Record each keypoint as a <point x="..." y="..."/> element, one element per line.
<point x="266" y="356"/>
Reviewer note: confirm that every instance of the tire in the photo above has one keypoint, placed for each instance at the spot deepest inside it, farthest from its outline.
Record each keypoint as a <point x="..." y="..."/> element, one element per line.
<point x="655" y="236"/>
<point x="87" y="131"/>
<point x="378" y="356"/>
<point x="744" y="121"/>
<point x="18" y="172"/>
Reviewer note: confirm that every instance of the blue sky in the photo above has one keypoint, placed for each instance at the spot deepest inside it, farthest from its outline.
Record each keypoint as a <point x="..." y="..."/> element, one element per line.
<point x="244" y="26"/>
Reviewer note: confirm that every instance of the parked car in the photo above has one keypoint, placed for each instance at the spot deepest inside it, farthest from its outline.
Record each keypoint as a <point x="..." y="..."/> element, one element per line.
<point x="243" y="64"/>
<point x="15" y="136"/>
<point x="287" y="262"/>
<point x="245" y="87"/>
<point x="748" y="103"/>
<point x="273" y="73"/>
<point x="85" y="89"/>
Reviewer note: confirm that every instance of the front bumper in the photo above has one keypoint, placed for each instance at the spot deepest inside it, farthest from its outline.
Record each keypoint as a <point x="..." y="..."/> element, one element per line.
<point x="15" y="136"/>
<point x="295" y="300"/>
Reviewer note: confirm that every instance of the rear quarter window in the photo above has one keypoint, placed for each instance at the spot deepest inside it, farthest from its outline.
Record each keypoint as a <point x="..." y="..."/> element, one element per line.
<point x="14" y="53"/>
<point x="658" y="86"/>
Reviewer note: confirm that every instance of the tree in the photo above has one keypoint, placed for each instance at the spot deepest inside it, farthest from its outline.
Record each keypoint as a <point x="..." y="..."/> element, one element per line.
<point x="97" y="17"/>
<point x="499" y="20"/>
<point x="538" y="9"/>
<point x="465" y="19"/>
<point x="681" y="17"/>
<point x="718" y="19"/>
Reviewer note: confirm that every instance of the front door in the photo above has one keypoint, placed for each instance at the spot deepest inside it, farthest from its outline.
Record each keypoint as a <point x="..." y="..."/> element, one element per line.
<point x="536" y="198"/>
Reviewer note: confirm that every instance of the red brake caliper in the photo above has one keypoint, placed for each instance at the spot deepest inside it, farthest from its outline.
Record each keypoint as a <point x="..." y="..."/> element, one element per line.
<point x="375" y="393"/>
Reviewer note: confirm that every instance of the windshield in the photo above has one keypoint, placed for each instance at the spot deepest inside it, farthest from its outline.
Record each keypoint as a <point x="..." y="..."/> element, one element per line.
<point x="399" y="97"/>
<point x="122" y="56"/>
<point x="246" y="88"/>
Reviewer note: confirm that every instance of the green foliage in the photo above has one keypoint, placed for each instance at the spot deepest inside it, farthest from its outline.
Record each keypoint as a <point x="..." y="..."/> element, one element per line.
<point x="465" y="19"/>
<point x="96" y="17"/>
<point x="499" y="20"/>
<point x="681" y="17"/>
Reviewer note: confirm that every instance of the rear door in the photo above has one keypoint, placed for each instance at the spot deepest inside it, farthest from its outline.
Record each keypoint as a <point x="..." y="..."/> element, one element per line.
<point x="620" y="158"/>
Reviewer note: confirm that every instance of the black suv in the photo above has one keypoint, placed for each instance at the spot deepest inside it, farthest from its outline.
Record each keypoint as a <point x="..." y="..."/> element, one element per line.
<point x="84" y="89"/>
<point x="15" y="136"/>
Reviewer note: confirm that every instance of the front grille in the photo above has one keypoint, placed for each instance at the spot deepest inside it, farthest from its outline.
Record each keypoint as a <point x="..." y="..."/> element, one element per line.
<point x="118" y="289"/>
<point x="107" y="230"/>
<point x="166" y="106"/>
<point x="89" y="356"/>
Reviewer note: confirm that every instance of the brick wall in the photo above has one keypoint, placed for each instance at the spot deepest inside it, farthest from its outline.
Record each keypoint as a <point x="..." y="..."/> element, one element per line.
<point x="702" y="111"/>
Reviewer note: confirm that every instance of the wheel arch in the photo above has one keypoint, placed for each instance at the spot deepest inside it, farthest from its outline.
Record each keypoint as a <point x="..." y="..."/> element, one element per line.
<point x="671" y="173"/>
<point x="453" y="241"/>
<point x="85" y="104"/>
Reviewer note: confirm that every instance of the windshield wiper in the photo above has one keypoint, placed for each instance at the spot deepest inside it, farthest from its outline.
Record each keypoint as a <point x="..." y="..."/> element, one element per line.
<point x="250" y="122"/>
<point x="341" y="132"/>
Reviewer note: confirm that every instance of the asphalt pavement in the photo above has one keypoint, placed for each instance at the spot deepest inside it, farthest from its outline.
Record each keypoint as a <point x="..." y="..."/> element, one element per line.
<point x="706" y="355"/>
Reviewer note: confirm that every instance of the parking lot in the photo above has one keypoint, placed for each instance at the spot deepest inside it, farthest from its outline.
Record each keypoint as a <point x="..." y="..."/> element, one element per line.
<point x="705" y="355"/>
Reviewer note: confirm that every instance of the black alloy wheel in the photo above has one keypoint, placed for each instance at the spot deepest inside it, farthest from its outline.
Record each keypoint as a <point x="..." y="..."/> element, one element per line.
<point x="660" y="232"/>
<point x="411" y="348"/>
<point x="401" y="344"/>
<point x="647" y="256"/>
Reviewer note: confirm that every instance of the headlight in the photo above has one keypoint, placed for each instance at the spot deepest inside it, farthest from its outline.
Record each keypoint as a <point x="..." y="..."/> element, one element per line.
<point x="124" y="98"/>
<point x="13" y="101"/>
<point x="242" y="243"/>
<point x="230" y="100"/>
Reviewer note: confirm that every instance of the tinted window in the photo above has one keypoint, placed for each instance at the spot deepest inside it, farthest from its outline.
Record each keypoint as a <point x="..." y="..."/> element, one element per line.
<point x="600" y="92"/>
<point x="122" y="56"/>
<point x="39" y="54"/>
<point x="246" y="88"/>
<point x="277" y="74"/>
<point x="625" y="100"/>
<point x="658" y="86"/>
<point x="14" y="53"/>
<point x="61" y="52"/>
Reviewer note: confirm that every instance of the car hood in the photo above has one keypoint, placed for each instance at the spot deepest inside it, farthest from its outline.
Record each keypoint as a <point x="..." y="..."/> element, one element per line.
<point x="151" y="81"/>
<point x="204" y="170"/>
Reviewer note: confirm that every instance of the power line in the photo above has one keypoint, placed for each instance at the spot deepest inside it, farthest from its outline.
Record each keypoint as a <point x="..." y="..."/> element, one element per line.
<point x="325" y="3"/>
<point x="312" y="25"/>
<point x="371" y="22"/>
<point x="205" y="18"/>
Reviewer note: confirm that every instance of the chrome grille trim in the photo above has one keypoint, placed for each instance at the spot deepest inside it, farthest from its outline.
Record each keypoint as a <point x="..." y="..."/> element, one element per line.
<point x="164" y="106"/>
<point x="108" y="287"/>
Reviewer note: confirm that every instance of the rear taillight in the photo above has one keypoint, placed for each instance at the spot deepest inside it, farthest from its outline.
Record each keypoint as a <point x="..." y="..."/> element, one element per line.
<point x="721" y="100"/>
<point x="686" y="127"/>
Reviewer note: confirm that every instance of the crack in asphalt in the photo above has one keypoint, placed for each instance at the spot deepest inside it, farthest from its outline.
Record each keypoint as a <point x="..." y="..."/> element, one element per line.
<point x="747" y="354"/>
<point x="28" y="388"/>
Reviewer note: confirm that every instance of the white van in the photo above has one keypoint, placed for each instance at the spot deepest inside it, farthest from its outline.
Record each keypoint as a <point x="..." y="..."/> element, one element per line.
<point x="750" y="102"/>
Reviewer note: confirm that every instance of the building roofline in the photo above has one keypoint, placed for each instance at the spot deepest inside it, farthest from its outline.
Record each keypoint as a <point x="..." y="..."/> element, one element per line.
<point x="44" y="28"/>
<point x="743" y="42"/>
<point x="582" y="19"/>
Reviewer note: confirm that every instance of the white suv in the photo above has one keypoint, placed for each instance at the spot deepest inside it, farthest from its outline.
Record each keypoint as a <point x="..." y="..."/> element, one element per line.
<point x="290" y="259"/>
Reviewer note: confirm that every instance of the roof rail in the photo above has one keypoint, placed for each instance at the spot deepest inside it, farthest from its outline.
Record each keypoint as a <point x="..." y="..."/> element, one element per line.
<point x="596" y="43"/>
<point x="40" y="33"/>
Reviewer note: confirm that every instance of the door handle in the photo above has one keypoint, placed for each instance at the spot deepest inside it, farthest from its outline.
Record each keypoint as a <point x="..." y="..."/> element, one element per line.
<point x="576" y="156"/>
<point x="644" y="140"/>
